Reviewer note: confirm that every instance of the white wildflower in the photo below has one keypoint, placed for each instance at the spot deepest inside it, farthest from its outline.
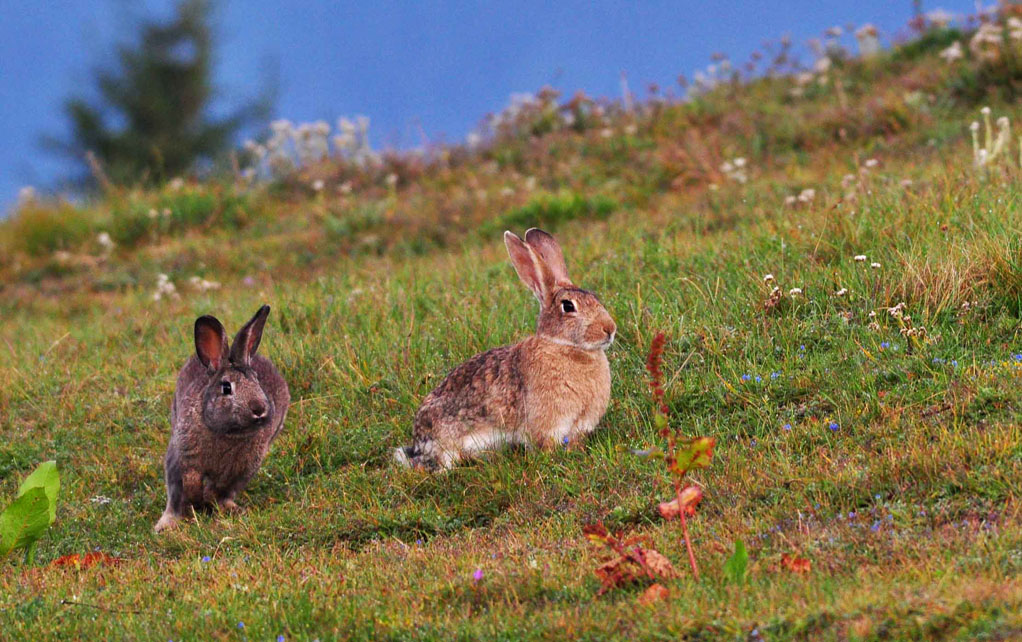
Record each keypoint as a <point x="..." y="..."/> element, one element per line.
<point x="869" y="43"/>
<point x="953" y="53"/>
<point x="202" y="285"/>
<point x="768" y="278"/>
<point x="859" y="258"/>
<point x="939" y="17"/>
<point x="794" y="292"/>
<point x="807" y="195"/>
<point x="874" y="265"/>
<point x="871" y="163"/>
<point x="164" y="288"/>
<point x="841" y="292"/>
<point x="105" y="242"/>
<point x="318" y="185"/>
<point x="26" y="194"/>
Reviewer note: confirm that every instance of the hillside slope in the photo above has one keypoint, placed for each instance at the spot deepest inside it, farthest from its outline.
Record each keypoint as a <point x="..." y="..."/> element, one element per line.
<point x="892" y="463"/>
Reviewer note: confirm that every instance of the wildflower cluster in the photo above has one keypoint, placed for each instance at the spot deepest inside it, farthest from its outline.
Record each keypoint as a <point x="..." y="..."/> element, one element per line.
<point x="805" y="197"/>
<point x="858" y="183"/>
<point x="776" y="298"/>
<point x="916" y="335"/>
<point x="993" y="40"/>
<point x="292" y="146"/>
<point x="735" y="170"/>
<point x="165" y="288"/>
<point x="993" y="147"/>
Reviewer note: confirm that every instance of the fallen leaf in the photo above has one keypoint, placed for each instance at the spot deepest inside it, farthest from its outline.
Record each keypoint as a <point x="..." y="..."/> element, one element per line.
<point x="638" y="563"/>
<point x="795" y="564"/>
<point x="655" y="593"/>
<point x="87" y="560"/>
<point x="657" y="563"/>
<point x="614" y="574"/>
<point x="690" y="496"/>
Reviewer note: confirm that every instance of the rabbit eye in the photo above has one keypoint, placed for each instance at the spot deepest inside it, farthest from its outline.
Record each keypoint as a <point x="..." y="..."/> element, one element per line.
<point x="225" y="387"/>
<point x="567" y="305"/>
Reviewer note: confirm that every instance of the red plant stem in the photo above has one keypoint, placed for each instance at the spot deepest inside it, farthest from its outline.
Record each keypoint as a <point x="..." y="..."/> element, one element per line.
<point x="684" y="530"/>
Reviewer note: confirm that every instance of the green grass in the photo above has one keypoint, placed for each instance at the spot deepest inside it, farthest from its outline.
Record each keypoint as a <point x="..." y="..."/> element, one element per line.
<point x="337" y="542"/>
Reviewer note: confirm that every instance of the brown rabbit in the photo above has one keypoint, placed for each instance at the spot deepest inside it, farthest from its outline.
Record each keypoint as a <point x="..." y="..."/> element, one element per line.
<point x="549" y="389"/>
<point x="228" y="406"/>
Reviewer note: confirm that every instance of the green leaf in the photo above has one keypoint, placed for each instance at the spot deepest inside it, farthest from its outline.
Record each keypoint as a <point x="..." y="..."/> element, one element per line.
<point x="24" y="521"/>
<point x="736" y="565"/>
<point x="45" y="476"/>
<point x="660" y="421"/>
<point x="695" y="454"/>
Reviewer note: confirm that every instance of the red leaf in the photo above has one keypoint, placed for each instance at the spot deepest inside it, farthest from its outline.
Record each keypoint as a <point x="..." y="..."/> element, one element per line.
<point x="85" y="561"/>
<point x="795" y="564"/>
<point x="690" y="496"/>
<point x="655" y="593"/>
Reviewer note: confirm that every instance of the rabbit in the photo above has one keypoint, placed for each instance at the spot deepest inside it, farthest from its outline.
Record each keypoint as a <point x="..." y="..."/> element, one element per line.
<point x="549" y="389"/>
<point x="228" y="407"/>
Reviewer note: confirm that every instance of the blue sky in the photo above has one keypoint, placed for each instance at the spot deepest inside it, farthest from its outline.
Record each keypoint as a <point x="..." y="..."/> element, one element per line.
<point x="433" y="67"/>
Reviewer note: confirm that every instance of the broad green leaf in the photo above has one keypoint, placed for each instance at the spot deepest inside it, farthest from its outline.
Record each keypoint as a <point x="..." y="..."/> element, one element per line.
<point x="736" y="565"/>
<point x="24" y="520"/>
<point x="660" y="421"/>
<point x="695" y="454"/>
<point x="45" y="476"/>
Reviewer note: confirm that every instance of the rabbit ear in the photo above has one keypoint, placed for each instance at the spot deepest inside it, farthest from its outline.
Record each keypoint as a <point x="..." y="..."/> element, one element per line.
<point x="210" y="342"/>
<point x="527" y="265"/>
<point x="247" y="340"/>
<point x="547" y="249"/>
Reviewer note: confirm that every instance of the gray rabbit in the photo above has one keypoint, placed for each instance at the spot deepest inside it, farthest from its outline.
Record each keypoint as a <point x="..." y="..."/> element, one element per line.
<point x="228" y="406"/>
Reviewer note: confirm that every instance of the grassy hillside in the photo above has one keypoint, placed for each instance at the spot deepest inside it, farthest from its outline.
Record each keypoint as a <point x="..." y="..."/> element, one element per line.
<point x="892" y="463"/>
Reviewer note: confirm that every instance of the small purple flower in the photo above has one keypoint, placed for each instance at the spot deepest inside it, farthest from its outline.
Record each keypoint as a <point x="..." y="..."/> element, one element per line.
<point x="875" y="527"/>
<point x="418" y="542"/>
<point x="205" y="558"/>
<point x="885" y="344"/>
<point x="787" y="427"/>
<point x="954" y="363"/>
<point x="833" y="426"/>
<point x="280" y="638"/>
<point x="565" y="441"/>
<point x="1017" y="357"/>
<point x="745" y="377"/>
<point x="802" y="348"/>
<point x="851" y="514"/>
<point x="241" y="625"/>
<point x="478" y="575"/>
<point x="758" y="378"/>
<point x="774" y="375"/>
<point x="752" y="443"/>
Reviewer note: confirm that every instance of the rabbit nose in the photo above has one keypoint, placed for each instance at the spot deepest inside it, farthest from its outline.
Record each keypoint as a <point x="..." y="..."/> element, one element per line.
<point x="258" y="409"/>
<point x="609" y="329"/>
